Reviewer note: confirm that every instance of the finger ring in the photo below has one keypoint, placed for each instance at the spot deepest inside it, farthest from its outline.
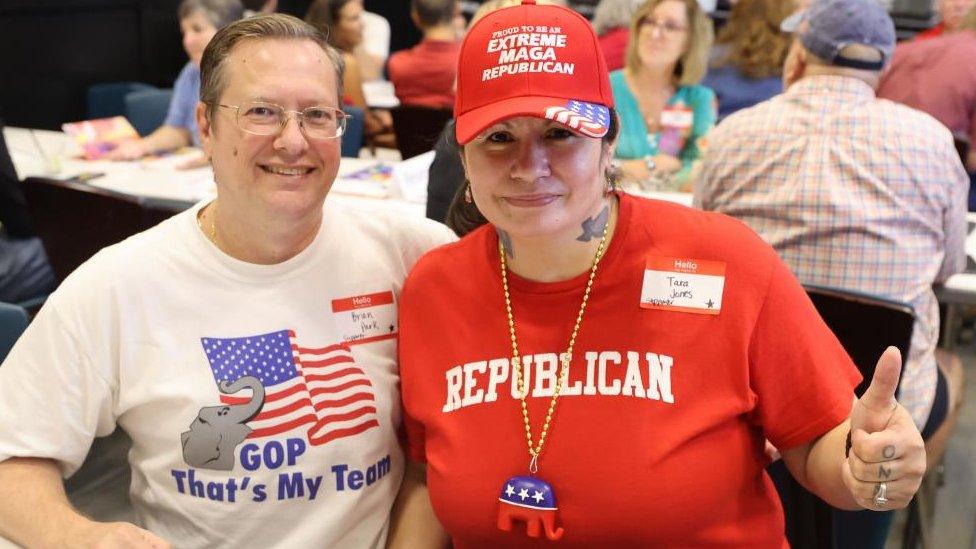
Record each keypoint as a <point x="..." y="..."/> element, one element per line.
<point x="879" y="495"/>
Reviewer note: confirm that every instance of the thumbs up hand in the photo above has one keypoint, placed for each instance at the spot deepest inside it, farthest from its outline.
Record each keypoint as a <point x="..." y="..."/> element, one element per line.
<point x="886" y="461"/>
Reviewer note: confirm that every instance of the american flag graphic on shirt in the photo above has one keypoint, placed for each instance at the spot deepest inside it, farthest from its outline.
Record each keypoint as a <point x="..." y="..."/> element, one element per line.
<point x="320" y="390"/>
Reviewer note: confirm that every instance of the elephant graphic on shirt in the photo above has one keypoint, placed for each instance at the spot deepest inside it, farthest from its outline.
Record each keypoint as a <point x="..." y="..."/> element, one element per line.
<point x="530" y="500"/>
<point x="214" y="435"/>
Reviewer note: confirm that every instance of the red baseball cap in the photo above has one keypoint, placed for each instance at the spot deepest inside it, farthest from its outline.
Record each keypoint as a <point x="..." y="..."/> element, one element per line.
<point x="532" y="60"/>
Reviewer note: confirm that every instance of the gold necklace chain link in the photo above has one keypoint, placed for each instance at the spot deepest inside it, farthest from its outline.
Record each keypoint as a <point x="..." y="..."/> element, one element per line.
<point x="213" y="224"/>
<point x="564" y="359"/>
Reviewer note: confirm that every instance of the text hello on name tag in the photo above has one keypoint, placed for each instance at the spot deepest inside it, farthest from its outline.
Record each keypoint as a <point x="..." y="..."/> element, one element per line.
<point x="365" y="318"/>
<point x="683" y="285"/>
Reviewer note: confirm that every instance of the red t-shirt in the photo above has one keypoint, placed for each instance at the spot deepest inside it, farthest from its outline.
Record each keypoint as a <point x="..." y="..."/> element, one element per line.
<point x="614" y="46"/>
<point x="657" y="439"/>
<point x="933" y="32"/>
<point x="424" y="75"/>
<point x="936" y="76"/>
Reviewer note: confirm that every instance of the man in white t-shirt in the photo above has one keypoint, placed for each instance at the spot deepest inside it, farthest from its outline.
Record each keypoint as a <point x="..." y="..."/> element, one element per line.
<point x="247" y="346"/>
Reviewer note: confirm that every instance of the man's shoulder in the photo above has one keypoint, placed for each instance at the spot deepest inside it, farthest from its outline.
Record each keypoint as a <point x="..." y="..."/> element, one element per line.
<point x="913" y="121"/>
<point x="405" y="232"/>
<point x="759" y="119"/>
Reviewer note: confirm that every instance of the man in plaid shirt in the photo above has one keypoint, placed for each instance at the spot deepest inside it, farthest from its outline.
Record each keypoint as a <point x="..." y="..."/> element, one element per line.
<point x="853" y="191"/>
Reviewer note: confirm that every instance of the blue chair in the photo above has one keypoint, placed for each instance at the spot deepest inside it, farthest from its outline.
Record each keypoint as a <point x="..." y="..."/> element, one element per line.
<point x="13" y="321"/>
<point x="146" y="109"/>
<point x="106" y="100"/>
<point x="352" y="139"/>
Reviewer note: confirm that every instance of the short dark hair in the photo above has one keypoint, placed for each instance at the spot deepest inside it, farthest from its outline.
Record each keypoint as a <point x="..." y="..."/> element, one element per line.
<point x="434" y="12"/>
<point x="261" y="27"/>
<point x="464" y="217"/>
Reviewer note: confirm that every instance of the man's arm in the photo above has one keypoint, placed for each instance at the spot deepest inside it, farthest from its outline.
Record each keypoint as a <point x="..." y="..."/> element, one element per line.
<point x="413" y="523"/>
<point x="35" y="512"/>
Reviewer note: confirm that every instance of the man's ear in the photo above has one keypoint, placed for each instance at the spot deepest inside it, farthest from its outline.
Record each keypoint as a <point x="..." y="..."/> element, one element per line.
<point x="206" y="129"/>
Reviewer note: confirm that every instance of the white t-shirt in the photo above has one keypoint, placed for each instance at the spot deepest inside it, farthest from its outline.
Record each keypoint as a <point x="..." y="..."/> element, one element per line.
<point x="142" y="334"/>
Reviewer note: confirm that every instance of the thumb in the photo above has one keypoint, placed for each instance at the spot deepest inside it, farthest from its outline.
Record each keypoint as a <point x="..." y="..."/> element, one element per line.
<point x="877" y="403"/>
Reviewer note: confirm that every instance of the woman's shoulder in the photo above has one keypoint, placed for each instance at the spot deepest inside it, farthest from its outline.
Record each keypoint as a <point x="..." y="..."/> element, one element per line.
<point x="617" y="78"/>
<point x="683" y="230"/>
<point x="694" y="93"/>
<point x="446" y="265"/>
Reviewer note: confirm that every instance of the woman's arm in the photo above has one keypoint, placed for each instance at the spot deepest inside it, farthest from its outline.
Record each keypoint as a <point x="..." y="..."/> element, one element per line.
<point x="886" y="447"/>
<point x="165" y="138"/>
<point x="413" y="523"/>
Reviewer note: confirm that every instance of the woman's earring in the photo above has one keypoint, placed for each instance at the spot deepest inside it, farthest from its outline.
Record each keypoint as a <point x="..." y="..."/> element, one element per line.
<point x="467" y="192"/>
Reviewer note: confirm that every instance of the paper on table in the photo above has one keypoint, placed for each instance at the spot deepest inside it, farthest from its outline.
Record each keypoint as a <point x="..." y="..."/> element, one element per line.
<point x="410" y="177"/>
<point x="363" y="178"/>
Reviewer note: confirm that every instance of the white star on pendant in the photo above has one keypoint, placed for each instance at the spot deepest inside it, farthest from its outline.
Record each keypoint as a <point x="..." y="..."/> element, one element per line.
<point x="509" y="490"/>
<point x="538" y="497"/>
<point x="523" y="493"/>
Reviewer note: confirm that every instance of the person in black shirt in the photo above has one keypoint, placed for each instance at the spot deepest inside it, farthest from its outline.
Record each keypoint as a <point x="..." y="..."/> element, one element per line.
<point x="24" y="271"/>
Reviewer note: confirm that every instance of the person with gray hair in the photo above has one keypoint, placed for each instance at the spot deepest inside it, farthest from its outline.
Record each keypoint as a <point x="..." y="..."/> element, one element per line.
<point x="854" y="192"/>
<point x="247" y="346"/>
<point x="611" y="21"/>
<point x="199" y="21"/>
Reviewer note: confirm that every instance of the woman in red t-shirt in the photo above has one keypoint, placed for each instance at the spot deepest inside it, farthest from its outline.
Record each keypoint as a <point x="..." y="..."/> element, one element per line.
<point x="627" y="355"/>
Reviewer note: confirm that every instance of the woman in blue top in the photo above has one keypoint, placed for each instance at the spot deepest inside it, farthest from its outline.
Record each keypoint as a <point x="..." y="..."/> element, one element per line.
<point x="747" y="61"/>
<point x="663" y="112"/>
<point x="199" y="21"/>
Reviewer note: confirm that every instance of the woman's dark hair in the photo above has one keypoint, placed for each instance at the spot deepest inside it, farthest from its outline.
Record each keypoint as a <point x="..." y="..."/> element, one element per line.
<point x="323" y="14"/>
<point x="464" y="217"/>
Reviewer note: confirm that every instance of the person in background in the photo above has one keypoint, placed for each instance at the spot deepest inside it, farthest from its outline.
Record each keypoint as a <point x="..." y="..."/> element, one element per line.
<point x="951" y="13"/>
<point x="424" y="75"/>
<point x="938" y="76"/>
<point x="747" y="61"/>
<point x="247" y="346"/>
<point x="611" y="21"/>
<point x="663" y="111"/>
<point x="199" y="21"/>
<point x="25" y="273"/>
<point x="853" y="192"/>
<point x="567" y="374"/>
<point x="341" y="21"/>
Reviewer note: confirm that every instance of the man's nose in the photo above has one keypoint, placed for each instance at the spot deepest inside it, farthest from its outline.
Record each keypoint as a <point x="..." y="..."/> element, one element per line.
<point x="291" y="138"/>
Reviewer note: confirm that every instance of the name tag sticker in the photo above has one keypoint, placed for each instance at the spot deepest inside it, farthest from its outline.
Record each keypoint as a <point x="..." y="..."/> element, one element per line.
<point x="683" y="285"/>
<point x="365" y="318"/>
<point x="677" y="116"/>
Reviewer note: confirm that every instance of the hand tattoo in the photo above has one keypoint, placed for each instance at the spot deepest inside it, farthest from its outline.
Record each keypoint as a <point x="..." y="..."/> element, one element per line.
<point x="888" y="452"/>
<point x="883" y="473"/>
<point x="593" y="227"/>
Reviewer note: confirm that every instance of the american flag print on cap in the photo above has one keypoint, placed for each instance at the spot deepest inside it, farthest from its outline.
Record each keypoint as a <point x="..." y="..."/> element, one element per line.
<point x="320" y="390"/>
<point x="587" y="118"/>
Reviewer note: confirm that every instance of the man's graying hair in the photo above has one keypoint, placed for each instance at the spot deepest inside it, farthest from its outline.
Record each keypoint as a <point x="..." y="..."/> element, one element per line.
<point x="213" y="79"/>
<point x="220" y="13"/>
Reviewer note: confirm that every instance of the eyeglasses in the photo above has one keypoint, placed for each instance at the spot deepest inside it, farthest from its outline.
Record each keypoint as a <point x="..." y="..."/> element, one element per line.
<point x="663" y="26"/>
<point x="262" y="118"/>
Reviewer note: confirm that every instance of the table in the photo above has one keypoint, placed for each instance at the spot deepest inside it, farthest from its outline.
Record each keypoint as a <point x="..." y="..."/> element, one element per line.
<point x="157" y="183"/>
<point x="80" y="206"/>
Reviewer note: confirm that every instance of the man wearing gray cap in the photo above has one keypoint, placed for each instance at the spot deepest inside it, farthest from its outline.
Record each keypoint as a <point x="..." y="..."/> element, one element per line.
<point x="854" y="192"/>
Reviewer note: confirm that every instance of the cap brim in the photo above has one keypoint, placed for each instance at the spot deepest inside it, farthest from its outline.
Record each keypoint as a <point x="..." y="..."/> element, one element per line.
<point x="475" y="121"/>
<point x="792" y="23"/>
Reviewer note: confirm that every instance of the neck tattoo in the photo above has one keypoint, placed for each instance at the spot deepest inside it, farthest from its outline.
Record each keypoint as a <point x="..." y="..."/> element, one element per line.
<point x="593" y="226"/>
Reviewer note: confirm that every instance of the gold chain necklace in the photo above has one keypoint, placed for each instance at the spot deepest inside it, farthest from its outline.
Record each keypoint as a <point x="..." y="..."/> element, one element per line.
<point x="213" y="225"/>
<point x="564" y="358"/>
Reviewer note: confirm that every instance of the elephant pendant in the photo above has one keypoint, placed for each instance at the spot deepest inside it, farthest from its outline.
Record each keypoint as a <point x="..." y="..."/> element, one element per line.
<point x="532" y="501"/>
